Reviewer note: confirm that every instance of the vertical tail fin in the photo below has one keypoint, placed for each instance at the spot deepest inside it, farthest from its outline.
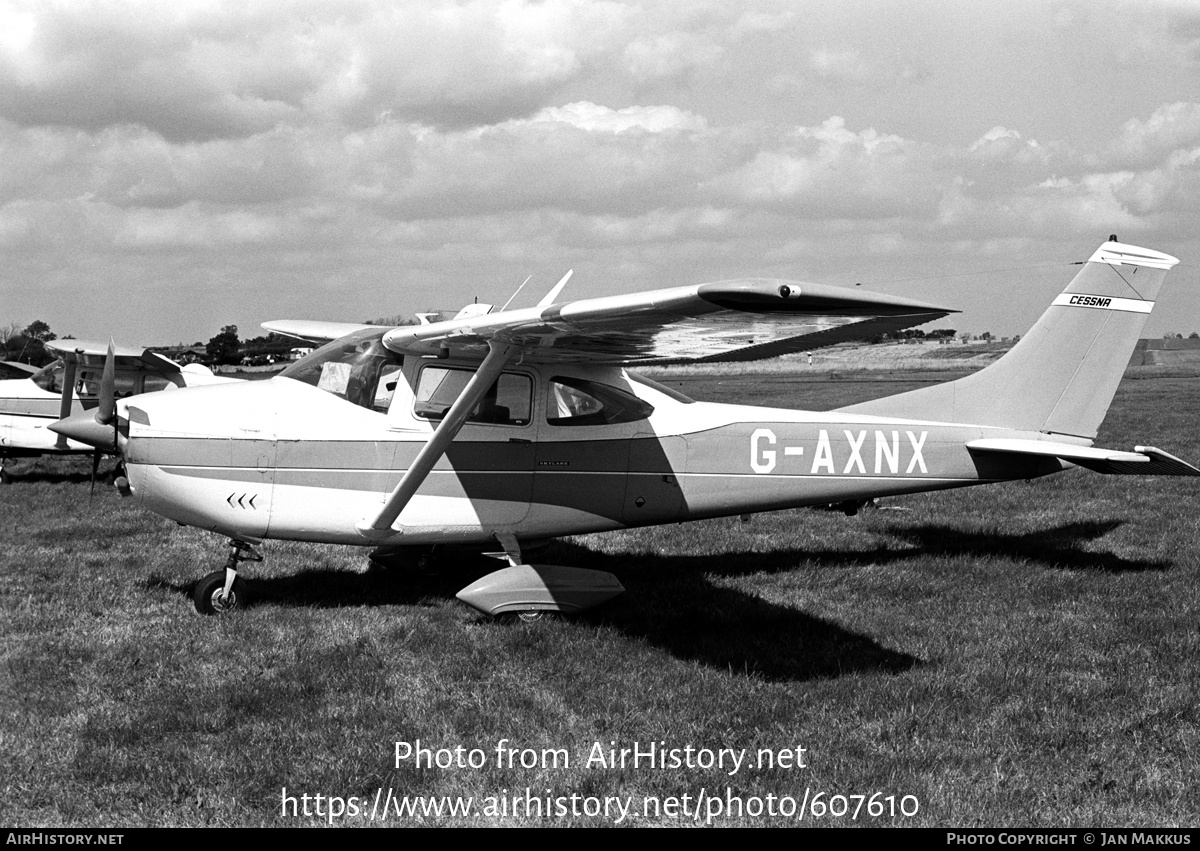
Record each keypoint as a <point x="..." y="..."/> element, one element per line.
<point x="1060" y="378"/>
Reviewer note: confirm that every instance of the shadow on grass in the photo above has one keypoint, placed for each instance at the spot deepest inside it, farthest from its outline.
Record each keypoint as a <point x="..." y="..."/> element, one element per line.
<point x="670" y="602"/>
<point x="70" y="469"/>
<point x="1058" y="547"/>
<point x="40" y="478"/>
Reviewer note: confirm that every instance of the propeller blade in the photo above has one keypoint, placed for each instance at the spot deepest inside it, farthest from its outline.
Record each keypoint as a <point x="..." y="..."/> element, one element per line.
<point x="108" y="395"/>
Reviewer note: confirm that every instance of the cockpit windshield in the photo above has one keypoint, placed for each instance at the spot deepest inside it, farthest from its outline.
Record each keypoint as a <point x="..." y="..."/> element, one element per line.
<point x="49" y="377"/>
<point x="357" y="368"/>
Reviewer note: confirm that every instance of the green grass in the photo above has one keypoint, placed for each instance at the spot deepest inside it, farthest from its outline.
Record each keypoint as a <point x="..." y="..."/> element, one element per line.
<point x="1016" y="655"/>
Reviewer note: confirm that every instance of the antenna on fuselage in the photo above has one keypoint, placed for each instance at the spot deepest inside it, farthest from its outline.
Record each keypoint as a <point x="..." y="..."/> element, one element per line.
<point x="514" y="295"/>
<point x="548" y="298"/>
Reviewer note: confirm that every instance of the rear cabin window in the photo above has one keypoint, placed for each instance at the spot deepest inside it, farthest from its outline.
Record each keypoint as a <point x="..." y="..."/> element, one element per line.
<point x="88" y="383"/>
<point x="507" y="402"/>
<point x="357" y="368"/>
<point x="579" y="402"/>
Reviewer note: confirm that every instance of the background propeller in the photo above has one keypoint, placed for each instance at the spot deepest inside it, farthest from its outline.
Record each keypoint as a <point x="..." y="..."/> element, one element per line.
<point x="97" y="429"/>
<point x="106" y="412"/>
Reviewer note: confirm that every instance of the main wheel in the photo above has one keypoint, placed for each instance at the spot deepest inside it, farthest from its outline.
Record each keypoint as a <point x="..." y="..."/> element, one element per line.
<point x="209" y="594"/>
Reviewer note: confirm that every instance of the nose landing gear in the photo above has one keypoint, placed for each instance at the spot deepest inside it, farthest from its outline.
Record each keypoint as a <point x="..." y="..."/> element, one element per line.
<point x="223" y="591"/>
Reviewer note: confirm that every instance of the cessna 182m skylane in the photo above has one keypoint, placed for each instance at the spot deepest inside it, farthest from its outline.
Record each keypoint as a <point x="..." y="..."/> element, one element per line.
<point x="72" y="384"/>
<point x="522" y="425"/>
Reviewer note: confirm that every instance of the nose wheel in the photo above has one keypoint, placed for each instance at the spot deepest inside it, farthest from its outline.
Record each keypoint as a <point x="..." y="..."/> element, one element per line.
<point x="223" y="591"/>
<point x="211" y="598"/>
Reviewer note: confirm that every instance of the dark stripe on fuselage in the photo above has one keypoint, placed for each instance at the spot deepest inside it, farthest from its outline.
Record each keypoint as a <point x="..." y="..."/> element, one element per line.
<point x="481" y="456"/>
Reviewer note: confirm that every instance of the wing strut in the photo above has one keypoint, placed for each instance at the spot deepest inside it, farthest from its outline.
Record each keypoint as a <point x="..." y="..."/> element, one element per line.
<point x="381" y="525"/>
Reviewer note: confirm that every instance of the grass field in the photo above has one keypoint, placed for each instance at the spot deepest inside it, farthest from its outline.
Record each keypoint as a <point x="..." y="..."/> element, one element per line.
<point x="1015" y="655"/>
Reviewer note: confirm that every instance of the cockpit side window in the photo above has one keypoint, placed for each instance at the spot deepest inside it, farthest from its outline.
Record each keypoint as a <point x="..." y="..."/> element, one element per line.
<point x="357" y="368"/>
<point x="579" y="402"/>
<point x="507" y="402"/>
<point x="154" y="382"/>
<point x="88" y="383"/>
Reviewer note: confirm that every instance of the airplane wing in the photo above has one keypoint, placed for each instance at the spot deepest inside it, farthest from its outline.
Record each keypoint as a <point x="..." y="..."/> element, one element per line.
<point x="312" y="330"/>
<point x="92" y="353"/>
<point x="731" y="320"/>
<point x="726" y="321"/>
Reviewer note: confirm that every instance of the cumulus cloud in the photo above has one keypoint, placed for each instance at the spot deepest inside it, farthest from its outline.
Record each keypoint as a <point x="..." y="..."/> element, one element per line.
<point x="1171" y="127"/>
<point x="202" y="70"/>
<point x="652" y="119"/>
<point x="830" y="170"/>
<point x="839" y="64"/>
<point x="1003" y="145"/>
<point x="367" y="141"/>
<point x="195" y="71"/>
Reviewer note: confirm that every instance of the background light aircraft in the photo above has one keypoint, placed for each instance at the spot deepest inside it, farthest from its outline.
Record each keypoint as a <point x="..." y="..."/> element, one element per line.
<point x="72" y="384"/>
<point x="517" y="426"/>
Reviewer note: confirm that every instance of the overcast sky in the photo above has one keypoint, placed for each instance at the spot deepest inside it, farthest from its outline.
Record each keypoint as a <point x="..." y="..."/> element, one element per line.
<point x="170" y="168"/>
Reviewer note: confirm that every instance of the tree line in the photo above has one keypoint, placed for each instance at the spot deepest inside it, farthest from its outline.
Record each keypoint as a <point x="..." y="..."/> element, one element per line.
<point x="28" y="345"/>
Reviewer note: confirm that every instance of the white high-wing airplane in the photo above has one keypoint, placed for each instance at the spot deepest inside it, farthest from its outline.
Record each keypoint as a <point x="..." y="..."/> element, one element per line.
<point x="518" y="426"/>
<point x="70" y="385"/>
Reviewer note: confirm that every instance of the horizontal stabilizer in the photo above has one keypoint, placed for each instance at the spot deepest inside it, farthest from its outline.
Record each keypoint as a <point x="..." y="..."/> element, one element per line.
<point x="1142" y="461"/>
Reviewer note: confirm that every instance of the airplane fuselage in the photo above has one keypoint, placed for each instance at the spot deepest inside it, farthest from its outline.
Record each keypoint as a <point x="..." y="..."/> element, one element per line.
<point x="284" y="459"/>
<point x="26" y="409"/>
